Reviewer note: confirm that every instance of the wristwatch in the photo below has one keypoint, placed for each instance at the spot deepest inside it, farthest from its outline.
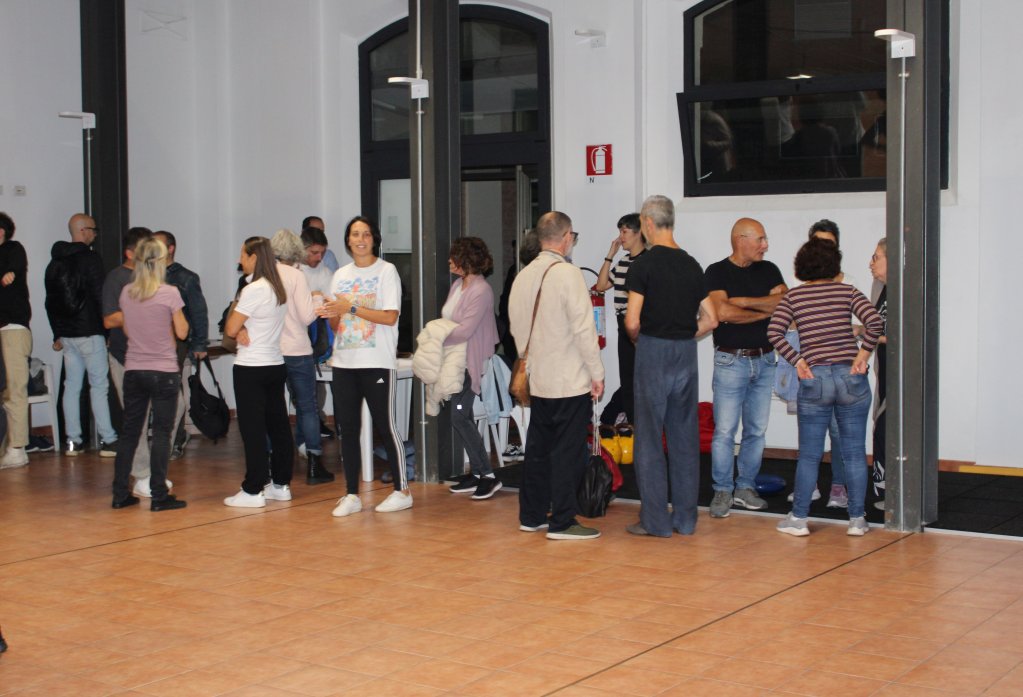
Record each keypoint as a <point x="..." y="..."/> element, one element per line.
<point x="352" y="310"/>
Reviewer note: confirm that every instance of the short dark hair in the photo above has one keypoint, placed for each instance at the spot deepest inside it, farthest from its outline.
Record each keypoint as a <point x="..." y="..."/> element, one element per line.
<point x="824" y="225"/>
<point x="530" y="248"/>
<point x="7" y="224"/>
<point x="132" y="237"/>
<point x="818" y="260"/>
<point x="631" y="221"/>
<point x="310" y="218"/>
<point x="313" y="235"/>
<point x="374" y="230"/>
<point x="472" y="256"/>
<point x="171" y="240"/>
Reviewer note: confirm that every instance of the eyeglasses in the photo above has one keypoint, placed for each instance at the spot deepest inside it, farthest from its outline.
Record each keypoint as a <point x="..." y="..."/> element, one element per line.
<point x="575" y="237"/>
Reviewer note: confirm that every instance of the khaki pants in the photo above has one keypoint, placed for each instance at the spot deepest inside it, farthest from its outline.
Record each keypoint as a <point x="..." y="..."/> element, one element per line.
<point x="17" y="346"/>
<point x="140" y="465"/>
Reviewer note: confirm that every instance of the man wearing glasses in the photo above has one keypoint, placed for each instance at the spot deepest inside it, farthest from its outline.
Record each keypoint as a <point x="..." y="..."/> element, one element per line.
<point x="565" y="377"/>
<point x="74" y="302"/>
<point x="745" y="289"/>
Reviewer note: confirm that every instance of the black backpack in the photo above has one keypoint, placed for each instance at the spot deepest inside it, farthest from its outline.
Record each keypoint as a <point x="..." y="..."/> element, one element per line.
<point x="209" y="414"/>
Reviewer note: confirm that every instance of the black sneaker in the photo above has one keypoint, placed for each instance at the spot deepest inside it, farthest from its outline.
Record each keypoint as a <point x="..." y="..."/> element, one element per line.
<point x="178" y="450"/>
<point x="169" y="503"/>
<point x="74" y="448"/>
<point x="467" y="484"/>
<point x="325" y="432"/>
<point x="108" y="449"/>
<point x="488" y="486"/>
<point x="39" y="444"/>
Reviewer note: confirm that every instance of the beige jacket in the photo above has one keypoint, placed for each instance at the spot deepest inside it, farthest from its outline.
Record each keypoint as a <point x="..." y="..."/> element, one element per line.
<point x="564" y="357"/>
<point x="441" y="368"/>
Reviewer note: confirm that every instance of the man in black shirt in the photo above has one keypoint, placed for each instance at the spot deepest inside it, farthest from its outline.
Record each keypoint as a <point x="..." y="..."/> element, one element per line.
<point x="745" y="289"/>
<point x="667" y="310"/>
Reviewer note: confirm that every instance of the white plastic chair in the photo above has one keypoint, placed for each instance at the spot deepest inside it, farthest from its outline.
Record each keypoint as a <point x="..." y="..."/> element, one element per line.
<point x="51" y="399"/>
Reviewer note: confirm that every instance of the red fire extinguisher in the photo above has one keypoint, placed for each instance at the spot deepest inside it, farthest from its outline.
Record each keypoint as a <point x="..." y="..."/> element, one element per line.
<point x="599" y="315"/>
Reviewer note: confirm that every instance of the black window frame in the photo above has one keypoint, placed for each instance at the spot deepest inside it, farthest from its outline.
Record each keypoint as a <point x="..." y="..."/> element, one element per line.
<point x="693" y="94"/>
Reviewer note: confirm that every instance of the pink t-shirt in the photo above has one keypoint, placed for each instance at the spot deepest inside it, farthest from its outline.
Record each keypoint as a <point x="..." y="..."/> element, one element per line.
<point x="148" y="324"/>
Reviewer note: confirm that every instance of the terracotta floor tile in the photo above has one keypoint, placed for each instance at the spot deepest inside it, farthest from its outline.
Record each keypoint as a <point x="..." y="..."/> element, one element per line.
<point x="943" y="676"/>
<point x="558" y="666"/>
<point x="819" y="683"/>
<point x="672" y="660"/>
<point x="704" y="687"/>
<point x="866" y="665"/>
<point x="134" y="672"/>
<point x="625" y="680"/>
<point x="507" y="683"/>
<point x="757" y="674"/>
<point x="67" y="686"/>
<point x="439" y="673"/>
<point x="318" y="681"/>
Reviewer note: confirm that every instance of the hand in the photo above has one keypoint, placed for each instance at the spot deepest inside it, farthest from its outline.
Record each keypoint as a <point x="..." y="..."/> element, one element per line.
<point x="596" y="389"/>
<point x="803" y="370"/>
<point x="616" y="244"/>
<point x="243" y="337"/>
<point x="57" y="346"/>
<point x="338" y="307"/>
<point x="859" y="366"/>
<point x="8" y="279"/>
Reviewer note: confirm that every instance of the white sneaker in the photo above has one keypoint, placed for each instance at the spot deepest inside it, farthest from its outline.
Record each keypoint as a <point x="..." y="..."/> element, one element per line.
<point x="244" y="500"/>
<point x="349" y="504"/>
<point x="143" y="489"/>
<point x="277" y="492"/>
<point x="397" y="501"/>
<point x="813" y="497"/>
<point x="14" y="457"/>
<point x="301" y="450"/>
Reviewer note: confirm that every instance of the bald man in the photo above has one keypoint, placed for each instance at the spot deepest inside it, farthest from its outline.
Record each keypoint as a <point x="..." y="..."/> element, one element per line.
<point x="745" y="289"/>
<point x="74" y="306"/>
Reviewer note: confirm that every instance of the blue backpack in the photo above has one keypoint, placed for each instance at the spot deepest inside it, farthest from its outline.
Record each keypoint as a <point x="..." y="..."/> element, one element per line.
<point x="321" y="336"/>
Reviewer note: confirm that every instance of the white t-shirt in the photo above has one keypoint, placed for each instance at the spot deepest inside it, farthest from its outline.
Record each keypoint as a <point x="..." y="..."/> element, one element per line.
<point x="317" y="277"/>
<point x="265" y="322"/>
<point x="358" y="342"/>
<point x="448" y="311"/>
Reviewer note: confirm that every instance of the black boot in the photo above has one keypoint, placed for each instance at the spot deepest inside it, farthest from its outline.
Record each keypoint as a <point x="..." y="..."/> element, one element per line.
<point x="317" y="474"/>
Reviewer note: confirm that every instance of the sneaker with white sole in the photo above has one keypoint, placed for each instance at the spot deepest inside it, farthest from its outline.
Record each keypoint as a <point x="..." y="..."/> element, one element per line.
<point x="14" y="457"/>
<point x="815" y="496"/>
<point x="574" y="532"/>
<point x="277" y="492"/>
<point x="108" y="449"/>
<point x="791" y="525"/>
<point x="721" y="504"/>
<point x="347" y="505"/>
<point x="397" y="501"/>
<point x="74" y="448"/>
<point x="513" y="453"/>
<point x="488" y="486"/>
<point x="858" y="527"/>
<point x="466" y="484"/>
<point x="533" y="528"/>
<point x="246" y="500"/>
<point x="143" y="489"/>
<point x="839" y="497"/>
<point x="748" y="499"/>
<point x="879" y="505"/>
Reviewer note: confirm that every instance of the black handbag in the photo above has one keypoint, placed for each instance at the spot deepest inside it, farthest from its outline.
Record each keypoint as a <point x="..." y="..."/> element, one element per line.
<point x="209" y="414"/>
<point x="594" y="492"/>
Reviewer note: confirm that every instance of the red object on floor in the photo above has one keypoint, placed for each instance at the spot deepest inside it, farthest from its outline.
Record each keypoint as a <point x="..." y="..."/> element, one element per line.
<point x="706" y="416"/>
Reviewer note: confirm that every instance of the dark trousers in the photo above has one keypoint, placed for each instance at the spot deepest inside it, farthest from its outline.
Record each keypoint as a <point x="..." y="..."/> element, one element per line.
<point x="667" y="388"/>
<point x="626" y="368"/>
<point x="263" y="413"/>
<point x="376" y="385"/>
<point x="556" y="455"/>
<point x="467" y="436"/>
<point x="146" y="389"/>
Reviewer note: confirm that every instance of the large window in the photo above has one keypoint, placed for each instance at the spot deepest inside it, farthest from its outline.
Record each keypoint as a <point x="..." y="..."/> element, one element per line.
<point x="785" y="96"/>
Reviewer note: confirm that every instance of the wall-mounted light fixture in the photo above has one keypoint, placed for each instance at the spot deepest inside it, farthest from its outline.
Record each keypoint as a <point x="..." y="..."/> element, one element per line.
<point x="901" y="44"/>
<point x="597" y="38"/>
<point x="420" y="88"/>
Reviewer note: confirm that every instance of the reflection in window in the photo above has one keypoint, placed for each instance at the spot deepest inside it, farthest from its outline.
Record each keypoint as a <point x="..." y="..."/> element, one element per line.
<point x="389" y="111"/>
<point x="806" y="136"/>
<point x="498" y="78"/>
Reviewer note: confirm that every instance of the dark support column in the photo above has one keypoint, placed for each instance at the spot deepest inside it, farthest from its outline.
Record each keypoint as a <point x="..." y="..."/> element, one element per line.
<point x="103" y="93"/>
<point x="441" y="181"/>
<point x="912" y="469"/>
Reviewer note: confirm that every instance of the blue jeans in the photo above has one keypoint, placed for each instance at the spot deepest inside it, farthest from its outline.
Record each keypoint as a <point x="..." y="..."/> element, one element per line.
<point x="302" y="386"/>
<point x="86" y="354"/>
<point x="742" y="389"/>
<point x="666" y="386"/>
<point x="837" y="464"/>
<point x="832" y="391"/>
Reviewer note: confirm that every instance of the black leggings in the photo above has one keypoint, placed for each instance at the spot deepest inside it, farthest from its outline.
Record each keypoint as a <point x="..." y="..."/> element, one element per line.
<point x="376" y="385"/>
<point x="262" y="412"/>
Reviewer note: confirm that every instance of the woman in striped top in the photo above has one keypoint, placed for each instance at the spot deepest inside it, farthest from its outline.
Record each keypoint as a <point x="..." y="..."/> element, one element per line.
<point x="832" y="372"/>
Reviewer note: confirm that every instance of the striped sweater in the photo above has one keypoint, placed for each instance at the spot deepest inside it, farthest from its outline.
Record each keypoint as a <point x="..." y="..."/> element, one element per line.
<point x="823" y="316"/>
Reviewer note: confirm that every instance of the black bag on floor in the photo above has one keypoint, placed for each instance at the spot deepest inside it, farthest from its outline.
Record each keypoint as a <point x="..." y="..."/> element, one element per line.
<point x="209" y="414"/>
<point x="595" y="488"/>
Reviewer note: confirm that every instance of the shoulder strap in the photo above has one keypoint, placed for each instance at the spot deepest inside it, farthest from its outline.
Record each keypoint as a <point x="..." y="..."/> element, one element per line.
<point x="209" y="367"/>
<point x="536" y="306"/>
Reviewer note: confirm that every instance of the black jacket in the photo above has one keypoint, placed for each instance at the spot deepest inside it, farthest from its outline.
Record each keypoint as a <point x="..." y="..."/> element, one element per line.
<point x="14" y="305"/>
<point x="74" y="266"/>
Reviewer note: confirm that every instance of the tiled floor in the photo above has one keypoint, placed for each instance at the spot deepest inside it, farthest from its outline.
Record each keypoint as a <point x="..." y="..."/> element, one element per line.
<point x="450" y="598"/>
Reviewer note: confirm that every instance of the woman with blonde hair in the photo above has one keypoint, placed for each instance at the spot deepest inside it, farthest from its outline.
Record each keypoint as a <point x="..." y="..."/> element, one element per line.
<point x="257" y="322"/>
<point x="153" y="317"/>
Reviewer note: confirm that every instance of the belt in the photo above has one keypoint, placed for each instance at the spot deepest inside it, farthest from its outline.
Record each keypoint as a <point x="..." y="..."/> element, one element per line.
<point x="744" y="353"/>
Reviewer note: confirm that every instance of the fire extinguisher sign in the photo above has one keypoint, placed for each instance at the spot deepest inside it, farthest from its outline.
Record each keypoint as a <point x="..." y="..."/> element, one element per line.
<point x="598" y="160"/>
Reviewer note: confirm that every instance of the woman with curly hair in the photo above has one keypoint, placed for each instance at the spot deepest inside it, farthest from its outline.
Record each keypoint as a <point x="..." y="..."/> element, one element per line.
<point x="832" y="372"/>
<point x="470" y="305"/>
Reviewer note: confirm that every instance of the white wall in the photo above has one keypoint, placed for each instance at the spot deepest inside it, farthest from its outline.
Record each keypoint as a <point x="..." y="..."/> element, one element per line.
<point x="248" y="122"/>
